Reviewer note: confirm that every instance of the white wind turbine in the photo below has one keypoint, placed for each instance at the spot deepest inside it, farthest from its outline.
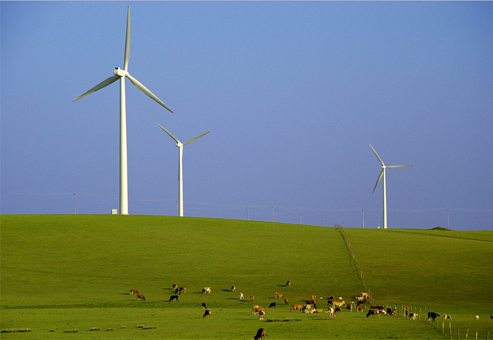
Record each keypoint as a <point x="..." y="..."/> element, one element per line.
<point x="180" y="145"/>
<point x="382" y="173"/>
<point x="121" y="75"/>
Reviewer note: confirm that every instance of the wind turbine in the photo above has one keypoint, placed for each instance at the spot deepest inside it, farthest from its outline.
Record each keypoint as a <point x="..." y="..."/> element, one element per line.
<point x="121" y="75"/>
<point x="180" y="145"/>
<point x="382" y="173"/>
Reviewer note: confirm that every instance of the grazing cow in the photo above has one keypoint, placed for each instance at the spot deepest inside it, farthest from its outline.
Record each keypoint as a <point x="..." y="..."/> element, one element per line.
<point x="206" y="290"/>
<point x="233" y="288"/>
<point x="330" y="297"/>
<point x="391" y="311"/>
<point x="141" y="297"/>
<point x="331" y="312"/>
<point x="175" y="286"/>
<point x="337" y="310"/>
<point x="182" y="289"/>
<point x="307" y="307"/>
<point x="360" y="308"/>
<point x="314" y="297"/>
<point x="256" y="309"/>
<point x="361" y="299"/>
<point x="288" y="284"/>
<point x="241" y="296"/>
<point x="207" y="313"/>
<point x="286" y="301"/>
<point x="134" y="292"/>
<point x="252" y="297"/>
<point x="261" y="333"/>
<point x="413" y="316"/>
<point x="445" y="316"/>
<point x="373" y="312"/>
<point x="261" y="314"/>
<point x="296" y="307"/>
<point x="432" y="316"/>
<point x="203" y="305"/>
<point x="476" y="317"/>
<point x="279" y="295"/>
<point x="338" y="303"/>
<point x="272" y="305"/>
<point x="173" y="298"/>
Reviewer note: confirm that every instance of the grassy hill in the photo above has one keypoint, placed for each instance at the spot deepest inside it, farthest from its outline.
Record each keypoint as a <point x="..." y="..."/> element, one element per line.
<point x="74" y="272"/>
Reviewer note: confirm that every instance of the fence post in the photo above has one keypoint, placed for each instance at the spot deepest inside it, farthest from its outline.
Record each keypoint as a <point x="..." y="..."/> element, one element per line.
<point x="443" y="327"/>
<point x="467" y="333"/>
<point x="450" y="330"/>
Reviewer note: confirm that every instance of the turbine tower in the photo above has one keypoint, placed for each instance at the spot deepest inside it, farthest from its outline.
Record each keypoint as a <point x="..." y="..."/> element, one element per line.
<point x="382" y="173"/>
<point x="121" y="75"/>
<point x="180" y="145"/>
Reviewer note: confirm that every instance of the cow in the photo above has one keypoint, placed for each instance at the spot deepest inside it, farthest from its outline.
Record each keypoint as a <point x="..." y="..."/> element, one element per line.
<point x="141" y="297"/>
<point x="432" y="316"/>
<point x="182" y="289"/>
<point x="272" y="305"/>
<point x="360" y="308"/>
<point x="307" y="307"/>
<point x="173" y="298"/>
<point x="286" y="301"/>
<point x="331" y="312"/>
<point x="476" y="317"/>
<point x="256" y="309"/>
<point x="365" y="295"/>
<point x="233" y="288"/>
<point x="252" y="298"/>
<point x="338" y="309"/>
<point x="391" y="311"/>
<point x="338" y="303"/>
<point x="261" y="314"/>
<point x="314" y="297"/>
<point x="207" y="313"/>
<point x="134" y="292"/>
<point x="206" y="290"/>
<point x="310" y="302"/>
<point x="288" y="284"/>
<point x="413" y="316"/>
<point x="296" y="307"/>
<point x="279" y="295"/>
<point x="373" y="312"/>
<point x="261" y="333"/>
<point x="203" y="305"/>
<point x="361" y="299"/>
<point x="241" y="296"/>
<point x="445" y="316"/>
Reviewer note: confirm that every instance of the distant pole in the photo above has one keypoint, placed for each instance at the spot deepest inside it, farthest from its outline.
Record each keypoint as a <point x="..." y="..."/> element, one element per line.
<point x="75" y="203"/>
<point x="448" y="219"/>
<point x="363" y="218"/>
<point x="272" y="213"/>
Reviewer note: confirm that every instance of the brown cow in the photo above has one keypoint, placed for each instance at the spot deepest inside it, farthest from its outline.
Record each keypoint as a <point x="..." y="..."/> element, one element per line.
<point x="261" y="333"/>
<point x="141" y="297"/>
<point x="296" y="307"/>
<point x="288" y="284"/>
<point x="252" y="297"/>
<point x="134" y="292"/>
<point x="279" y="295"/>
<point x="360" y="308"/>
<point x="207" y="313"/>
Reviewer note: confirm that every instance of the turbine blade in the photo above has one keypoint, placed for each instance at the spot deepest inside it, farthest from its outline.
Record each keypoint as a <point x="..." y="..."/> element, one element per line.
<point x="193" y="140"/>
<point x="127" y="42"/>
<point x="378" y="180"/>
<point x="169" y="133"/>
<point x="144" y="89"/>
<point x="98" y="87"/>
<point x="398" y="166"/>
<point x="376" y="154"/>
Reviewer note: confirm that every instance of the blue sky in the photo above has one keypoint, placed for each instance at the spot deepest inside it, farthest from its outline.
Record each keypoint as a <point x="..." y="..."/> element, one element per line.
<point x="292" y="92"/>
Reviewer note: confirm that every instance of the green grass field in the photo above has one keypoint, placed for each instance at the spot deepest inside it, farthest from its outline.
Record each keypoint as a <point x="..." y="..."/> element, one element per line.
<point x="74" y="272"/>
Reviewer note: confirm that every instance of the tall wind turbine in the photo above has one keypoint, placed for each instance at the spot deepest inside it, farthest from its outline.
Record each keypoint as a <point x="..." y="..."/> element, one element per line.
<point x="382" y="173"/>
<point x="180" y="145"/>
<point x="122" y="74"/>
